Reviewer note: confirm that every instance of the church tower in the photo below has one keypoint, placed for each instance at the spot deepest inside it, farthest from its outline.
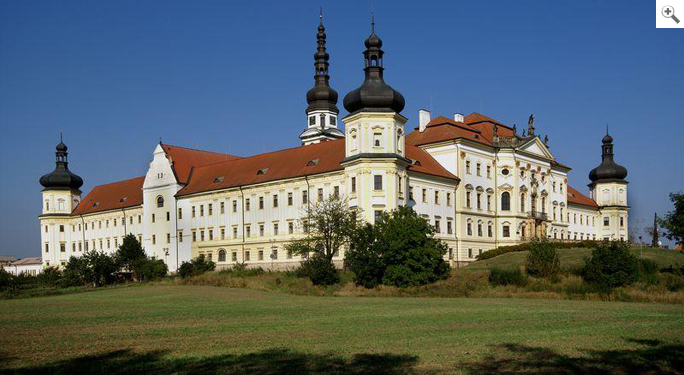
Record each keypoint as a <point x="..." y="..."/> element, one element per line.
<point x="61" y="194"/>
<point x="375" y="159"/>
<point x="322" y="111"/>
<point x="609" y="189"/>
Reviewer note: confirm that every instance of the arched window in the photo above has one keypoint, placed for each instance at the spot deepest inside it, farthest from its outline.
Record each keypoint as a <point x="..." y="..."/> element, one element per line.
<point x="506" y="201"/>
<point x="222" y="255"/>
<point x="160" y="201"/>
<point x="543" y="204"/>
<point x="522" y="202"/>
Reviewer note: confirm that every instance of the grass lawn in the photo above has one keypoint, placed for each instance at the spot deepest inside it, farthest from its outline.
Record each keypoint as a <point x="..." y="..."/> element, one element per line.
<point x="204" y="329"/>
<point x="574" y="258"/>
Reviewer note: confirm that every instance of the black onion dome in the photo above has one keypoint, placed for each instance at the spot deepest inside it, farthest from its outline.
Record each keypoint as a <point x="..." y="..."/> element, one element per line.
<point x="61" y="178"/>
<point x="321" y="96"/>
<point x="374" y="94"/>
<point x="608" y="170"/>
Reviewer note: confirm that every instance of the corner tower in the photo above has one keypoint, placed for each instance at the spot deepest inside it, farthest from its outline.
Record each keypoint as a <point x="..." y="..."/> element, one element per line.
<point x="609" y="189"/>
<point x="375" y="157"/>
<point x="322" y="111"/>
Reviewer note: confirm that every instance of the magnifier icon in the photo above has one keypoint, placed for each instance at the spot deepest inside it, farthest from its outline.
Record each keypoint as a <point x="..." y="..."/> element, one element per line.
<point x="668" y="12"/>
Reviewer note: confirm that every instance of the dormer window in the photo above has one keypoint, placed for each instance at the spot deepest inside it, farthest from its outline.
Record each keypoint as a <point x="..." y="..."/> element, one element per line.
<point x="311" y="163"/>
<point x="123" y="199"/>
<point x="262" y="171"/>
<point x="218" y="179"/>
<point x="96" y="204"/>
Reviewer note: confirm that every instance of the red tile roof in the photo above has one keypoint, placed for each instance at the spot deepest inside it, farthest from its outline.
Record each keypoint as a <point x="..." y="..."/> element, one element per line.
<point x="183" y="159"/>
<point x="290" y="163"/>
<point x="112" y="196"/>
<point x="575" y="197"/>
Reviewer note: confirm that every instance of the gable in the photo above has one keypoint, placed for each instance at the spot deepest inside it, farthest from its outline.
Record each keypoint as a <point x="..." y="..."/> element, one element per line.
<point x="536" y="147"/>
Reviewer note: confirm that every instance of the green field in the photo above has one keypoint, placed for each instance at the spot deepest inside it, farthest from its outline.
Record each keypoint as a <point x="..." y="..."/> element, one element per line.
<point x="204" y="329"/>
<point x="574" y="258"/>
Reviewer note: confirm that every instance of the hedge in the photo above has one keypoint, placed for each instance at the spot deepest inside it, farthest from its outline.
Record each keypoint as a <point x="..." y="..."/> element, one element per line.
<point x="527" y="246"/>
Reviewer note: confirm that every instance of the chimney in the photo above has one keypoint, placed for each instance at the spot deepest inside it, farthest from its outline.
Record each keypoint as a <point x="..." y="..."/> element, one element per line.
<point x="424" y="119"/>
<point x="458" y="117"/>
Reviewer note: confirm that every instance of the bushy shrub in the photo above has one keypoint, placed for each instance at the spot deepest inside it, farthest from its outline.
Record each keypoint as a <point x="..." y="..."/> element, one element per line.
<point x="6" y="279"/>
<point x="196" y="267"/>
<point x="673" y="282"/>
<point x="93" y="268"/>
<point x="611" y="265"/>
<point x="527" y="246"/>
<point x="50" y="276"/>
<point x="542" y="259"/>
<point x="320" y="270"/>
<point x="148" y="269"/>
<point x="402" y="248"/>
<point x="648" y="271"/>
<point x="498" y="276"/>
<point x="241" y="270"/>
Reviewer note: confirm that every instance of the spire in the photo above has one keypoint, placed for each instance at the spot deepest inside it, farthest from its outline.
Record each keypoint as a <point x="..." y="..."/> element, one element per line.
<point x="608" y="170"/>
<point x="321" y="96"/>
<point x="374" y="94"/>
<point x="61" y="178"/>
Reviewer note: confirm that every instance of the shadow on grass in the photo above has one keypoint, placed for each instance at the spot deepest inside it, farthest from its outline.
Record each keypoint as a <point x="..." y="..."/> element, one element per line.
<point x="277" y="361"/>
<point x="652" y="357"/>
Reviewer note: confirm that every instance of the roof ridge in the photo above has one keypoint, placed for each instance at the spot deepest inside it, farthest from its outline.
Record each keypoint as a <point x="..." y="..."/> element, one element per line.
<point x="448" y="121"/>
<point x="198" y="150"/>
<point x="116" y="182"/>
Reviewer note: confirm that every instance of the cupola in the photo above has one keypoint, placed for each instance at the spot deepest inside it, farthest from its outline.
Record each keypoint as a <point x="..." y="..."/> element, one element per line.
<point x="374" y="95"/>
<point x="61" y="178"/>
<point x="608" y="170"/>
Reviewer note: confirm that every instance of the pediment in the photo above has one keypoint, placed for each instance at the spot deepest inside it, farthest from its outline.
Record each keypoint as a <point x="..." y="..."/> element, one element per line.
<point x="536" y="147"/>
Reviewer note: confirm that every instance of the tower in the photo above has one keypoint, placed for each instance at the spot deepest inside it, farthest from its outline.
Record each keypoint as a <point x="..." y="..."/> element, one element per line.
<point x="61" y="194"/>
<point x="322" y="111"/>
<point x="375" y="161"/>
<point x="609" y="189"/>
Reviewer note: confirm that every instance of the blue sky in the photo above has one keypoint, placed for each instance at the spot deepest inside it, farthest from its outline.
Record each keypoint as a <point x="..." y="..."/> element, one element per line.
<point x="114" y="76"/>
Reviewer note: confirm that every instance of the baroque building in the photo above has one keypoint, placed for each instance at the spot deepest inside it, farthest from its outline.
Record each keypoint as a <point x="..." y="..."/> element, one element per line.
<point x="478" y="181"/>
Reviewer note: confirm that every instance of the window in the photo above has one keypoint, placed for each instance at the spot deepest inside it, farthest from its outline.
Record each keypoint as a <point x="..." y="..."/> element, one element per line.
<point x="235" y="206"/>
<point x="168" y="217"/>
<point x="247" y="204"/>
<point x="193" y="211"/>
<point x="234" y="232"/>
<point x="336" y="191"/>
<point x="160" y="202"/>
<point x="411" y="192"/>
<point x="478" y="169"/>
<point x="290" y="227"/>
<point x="479" y="229"/>
<point x="180" y="214"/>
<point x="234" y="256"/>
<point x="62" y="248"/>
<point x="261" y="230"/>
<point x="275" y="229"/>
<point x="180" y="236"/>
<point x="505" y="172"/>
<point x="489" y="171"/>
<point x="153" y="218"/>
<point x="436" y="197"/>
<point x="312" y="120"/>
<point x="168" y="239"/>
<point x="320" y="194"/>
<point x="275" y="200"/>
<point x="437" y="226"/>
<point x="450" y="230"/>
<point x="211" y="234"/>
<point x="322" y="124"/>
<point x="289" y="254"/>
<point x="223" y="211"/>
<point x="377" y="182"/>
<point x="376" y="139"/>
<point x="468" y="166"/>
<point x="553" y="186"/>
<point x="223" y="233"/>
<point x="289" y="199"/>
<point x="305" y="197"/>
<point x="469" y="228"/>
<point x="222" y="255"/>
<point x="154" y="240"/>
<point x="479" y="201"/>
<point x="424" y="195"/>
<point x="506" y="231"/>
<point x="249" y="231"/>
<point x="506" y="201"/>
<point x="468" y="203"/>
<point x="448" y="195"/>
<point x="353" y="184"/>
<point x="522" y="202"/>
<point x="606" y="221"/>
<point x="622" y="221"/>
<point x="333" y="120"/>
<point x="209" y="256"/>
<point x="489" y="202"/>
<point x="490" y="231"/>
<point x="61" y="229"/>
<point x="201" y="210"/>
<point x="202" y="235"/>
<point x="470" y="253"/>
<point x="246" y="255"/>
<point x="378" y="215"/>
<point x="261" y="203"/>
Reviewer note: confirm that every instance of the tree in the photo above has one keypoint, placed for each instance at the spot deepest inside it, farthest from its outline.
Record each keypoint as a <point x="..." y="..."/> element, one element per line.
<point x="130" y="252"/>
<point x="611" y="265"/>
<point x="542" y="259"/>
<point x="196" y="267"/>
<point x="399" y="249"/>
<point x="96" y="268"/>
<point x="654" y="231"/>
<point x="673" y="222"/>
<point x="329" y="225"/>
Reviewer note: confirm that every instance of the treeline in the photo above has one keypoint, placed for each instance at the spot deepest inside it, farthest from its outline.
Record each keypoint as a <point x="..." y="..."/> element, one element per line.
<point x="93" y="269"/>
